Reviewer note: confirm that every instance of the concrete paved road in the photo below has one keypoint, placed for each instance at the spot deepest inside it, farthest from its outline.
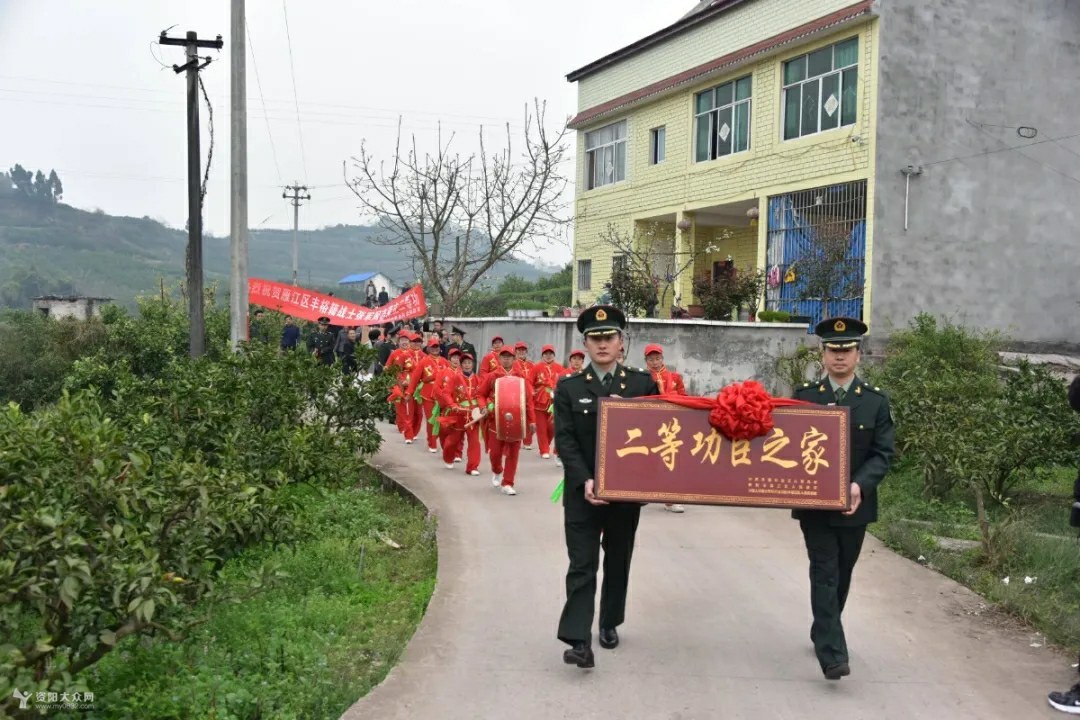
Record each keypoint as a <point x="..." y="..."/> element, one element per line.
<point x="717" y="622"/>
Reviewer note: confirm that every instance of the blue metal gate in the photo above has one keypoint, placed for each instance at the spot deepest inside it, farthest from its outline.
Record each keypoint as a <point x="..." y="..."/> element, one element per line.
<point x="797" y="223"/>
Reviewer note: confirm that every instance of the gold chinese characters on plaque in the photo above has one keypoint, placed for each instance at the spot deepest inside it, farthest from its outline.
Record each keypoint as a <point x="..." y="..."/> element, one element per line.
<point x="653" y="451"/>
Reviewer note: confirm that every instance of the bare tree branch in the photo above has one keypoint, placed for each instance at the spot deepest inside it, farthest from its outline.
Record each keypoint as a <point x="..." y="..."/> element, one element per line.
<point x="458" y="216"/>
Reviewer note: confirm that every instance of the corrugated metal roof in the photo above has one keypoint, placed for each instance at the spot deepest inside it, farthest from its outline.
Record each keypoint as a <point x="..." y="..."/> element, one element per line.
<point x="356" y="278"/>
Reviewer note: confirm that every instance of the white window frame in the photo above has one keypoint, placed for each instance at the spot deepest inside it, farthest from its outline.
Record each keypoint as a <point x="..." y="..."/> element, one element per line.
<point x="605" y="148"/>
<point x="713" y="113"/>
<point x="819" y="80"/>
<point x="657" y="145"/>
<point x="584" y="279"/>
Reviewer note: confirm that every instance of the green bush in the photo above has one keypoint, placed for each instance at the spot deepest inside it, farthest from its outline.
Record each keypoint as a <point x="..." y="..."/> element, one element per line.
<point x="37" y="352"/>
<point x="779" y="316"/>
<point x="964" y="424"/>
<point x="122" y="500"/>
<point x="794" y="369"/>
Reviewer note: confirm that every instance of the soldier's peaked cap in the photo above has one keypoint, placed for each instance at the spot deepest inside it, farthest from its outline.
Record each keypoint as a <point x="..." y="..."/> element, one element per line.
<point x="324" y="319"/>
<point x="840" y="332"/>
<point x="601" y="320"/>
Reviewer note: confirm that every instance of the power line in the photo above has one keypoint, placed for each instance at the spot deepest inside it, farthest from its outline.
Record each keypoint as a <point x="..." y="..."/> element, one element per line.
<point x="296" y="96"/>
<point x="1000" y="150"/>
<point x="1020" y="149"/>
<point x="390" y="119"/>
<point x="258" y="83"/>
<point x="368" y="108"/>
<point x="210" y="152"/>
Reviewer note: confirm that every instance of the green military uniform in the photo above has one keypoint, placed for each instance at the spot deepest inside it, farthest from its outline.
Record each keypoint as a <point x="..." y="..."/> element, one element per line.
<point x="464" y="346"/>
<point x="321" y="342"/>
<point x="834" y="540"/>
<point x="589" y="527"/>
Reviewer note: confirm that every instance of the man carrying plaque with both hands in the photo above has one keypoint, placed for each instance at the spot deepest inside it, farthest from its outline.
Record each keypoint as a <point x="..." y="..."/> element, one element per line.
<point x="591" y="523"/>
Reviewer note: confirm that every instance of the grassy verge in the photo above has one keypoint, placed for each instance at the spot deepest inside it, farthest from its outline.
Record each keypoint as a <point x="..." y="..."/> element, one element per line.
<point x="1032" y="539"/>
<point x="307" y="647"/>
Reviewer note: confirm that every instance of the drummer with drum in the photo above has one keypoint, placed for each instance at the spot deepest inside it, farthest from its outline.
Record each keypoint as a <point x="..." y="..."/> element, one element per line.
<point x="511" y="413"/>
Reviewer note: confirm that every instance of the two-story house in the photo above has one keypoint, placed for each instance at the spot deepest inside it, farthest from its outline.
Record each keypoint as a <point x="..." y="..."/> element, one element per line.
<point x="929" y="141"/>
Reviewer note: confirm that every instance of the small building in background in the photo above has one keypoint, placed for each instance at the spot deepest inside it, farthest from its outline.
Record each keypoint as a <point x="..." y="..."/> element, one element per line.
<point x="70" y="306"/>
<point x="359" y="282"/>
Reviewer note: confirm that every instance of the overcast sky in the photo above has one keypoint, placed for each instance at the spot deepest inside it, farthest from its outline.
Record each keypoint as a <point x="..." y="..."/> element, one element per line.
<point x="83" y="91"/>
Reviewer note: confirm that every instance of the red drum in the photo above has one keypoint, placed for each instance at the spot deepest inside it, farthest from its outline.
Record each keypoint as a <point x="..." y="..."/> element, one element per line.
<point x="510" y="408"/>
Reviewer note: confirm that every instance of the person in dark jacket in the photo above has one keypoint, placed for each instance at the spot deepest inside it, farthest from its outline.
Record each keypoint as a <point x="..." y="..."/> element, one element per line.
<point x="258" y="331"/>
<point x="348" y="352"/>
<point x="384" y="297"/>
<point x="320" y="343"/>
<point x="290" y="336"/>
<point x="1069" y="701"/>
<point x="834" y="539"/>
<point x="590" y="523"/>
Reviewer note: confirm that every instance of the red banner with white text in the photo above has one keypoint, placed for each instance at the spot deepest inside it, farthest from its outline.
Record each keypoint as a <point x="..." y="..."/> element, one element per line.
<point x="310" y="305"/>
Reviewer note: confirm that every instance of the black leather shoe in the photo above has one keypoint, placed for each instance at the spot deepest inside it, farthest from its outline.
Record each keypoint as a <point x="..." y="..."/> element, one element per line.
<point x="581" y="655"/>
<point x="609" y="638"/>
<point x="837" y="671"/>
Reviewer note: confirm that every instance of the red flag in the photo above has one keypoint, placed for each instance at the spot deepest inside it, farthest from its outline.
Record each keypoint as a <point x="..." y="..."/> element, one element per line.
<point x="310" y="305"/>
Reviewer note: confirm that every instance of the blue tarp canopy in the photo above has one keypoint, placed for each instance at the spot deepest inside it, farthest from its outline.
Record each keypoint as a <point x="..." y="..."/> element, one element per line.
<point x="356" y="278"/>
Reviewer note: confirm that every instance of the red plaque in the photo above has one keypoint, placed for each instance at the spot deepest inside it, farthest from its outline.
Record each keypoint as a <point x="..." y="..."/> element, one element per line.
<point x="510" y="411"/>
<point x="653" y="451"/>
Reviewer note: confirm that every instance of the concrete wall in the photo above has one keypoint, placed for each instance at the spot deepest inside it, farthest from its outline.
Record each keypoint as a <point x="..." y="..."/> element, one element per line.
<point x="992" y="239"/>
<point x="77" y="308"/>
<point x="710" y="355"/>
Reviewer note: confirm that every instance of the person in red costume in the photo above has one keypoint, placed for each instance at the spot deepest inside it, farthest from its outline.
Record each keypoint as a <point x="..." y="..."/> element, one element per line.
<point x="459" y="394"/>
<point x="667" y="380"/>
<point x="503" y="454"/>
<point x="402" y="362"/>
<point x="542" y="379"/>
<point x="669" y="383"/>
<point x="522" y="367"/>
<point x="424" y="377"/>
<point x="575" y="362"/>
<point x="491" y="360"/>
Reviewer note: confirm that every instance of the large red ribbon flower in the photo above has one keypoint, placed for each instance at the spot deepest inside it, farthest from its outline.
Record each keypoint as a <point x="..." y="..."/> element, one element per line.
<point x="741" y="411"/>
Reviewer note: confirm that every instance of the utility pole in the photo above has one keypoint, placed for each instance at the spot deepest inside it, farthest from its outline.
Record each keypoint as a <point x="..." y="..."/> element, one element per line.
<point x="299" y="192"/>
<point x="238" y="208"/>
<point x="192" y="43"/>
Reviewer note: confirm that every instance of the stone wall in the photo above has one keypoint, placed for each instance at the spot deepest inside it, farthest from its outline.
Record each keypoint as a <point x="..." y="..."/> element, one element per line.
<point x="708" y="354"/>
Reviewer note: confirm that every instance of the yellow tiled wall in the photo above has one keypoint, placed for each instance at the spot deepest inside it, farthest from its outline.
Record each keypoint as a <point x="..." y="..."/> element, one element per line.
<point x="771" y="166"/>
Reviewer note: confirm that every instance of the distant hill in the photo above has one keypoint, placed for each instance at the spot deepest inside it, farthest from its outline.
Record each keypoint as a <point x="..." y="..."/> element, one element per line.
<point x="56" y="248"/>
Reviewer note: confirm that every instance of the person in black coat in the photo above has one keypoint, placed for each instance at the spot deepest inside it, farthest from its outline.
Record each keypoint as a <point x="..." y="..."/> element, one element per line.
<point x="1069" y="701"/>
<point x="834" y="539"/>
<point x="588" y="522"/>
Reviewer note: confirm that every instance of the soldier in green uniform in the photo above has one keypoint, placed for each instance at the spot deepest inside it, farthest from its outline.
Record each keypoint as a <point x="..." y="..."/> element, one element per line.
<point x="834" y="539"/>
<point x="321" y="342"/>
<point x="591" y="523"/>
<point x="457" y="339"/>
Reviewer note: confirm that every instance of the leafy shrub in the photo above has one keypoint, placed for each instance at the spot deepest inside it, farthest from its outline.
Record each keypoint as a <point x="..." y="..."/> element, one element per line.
<point x="961" y="421"/>
<point x="800" y="366"/>
<point x="123" y="499"/>
<point x="37" y="352"/>
<point x="779" y="316"/>
<point x="730" y="292"/>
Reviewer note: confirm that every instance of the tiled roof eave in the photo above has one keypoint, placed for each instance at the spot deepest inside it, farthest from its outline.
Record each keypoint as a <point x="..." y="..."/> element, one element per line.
<point x="725" y="61"/>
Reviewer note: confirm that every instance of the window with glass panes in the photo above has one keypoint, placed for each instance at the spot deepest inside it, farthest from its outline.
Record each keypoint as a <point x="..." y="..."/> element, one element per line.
<point x="605" y="150"/>
<point x="722" y="120"/>
<point x="657" y="141"/>
<point x="584" y="274"/>
<point x="821" y="89"/>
